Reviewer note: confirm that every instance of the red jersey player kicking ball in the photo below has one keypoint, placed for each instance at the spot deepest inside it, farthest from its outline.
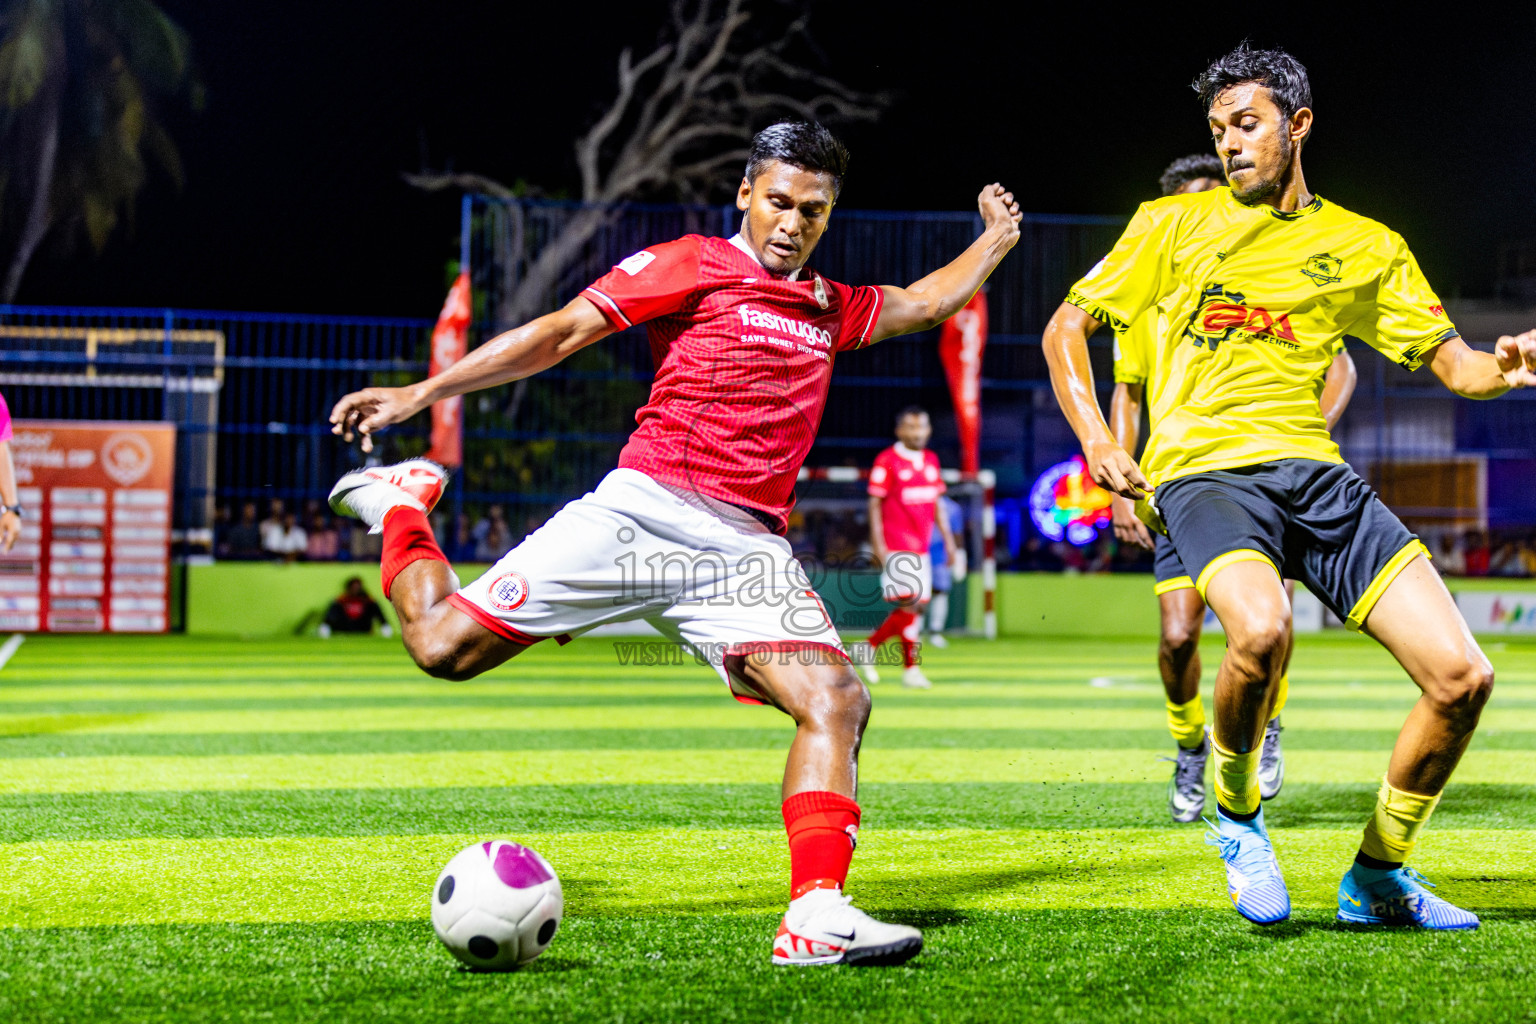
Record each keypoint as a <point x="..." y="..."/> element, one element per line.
<point x="904" y="489"/>
<point x="687" y="533"/>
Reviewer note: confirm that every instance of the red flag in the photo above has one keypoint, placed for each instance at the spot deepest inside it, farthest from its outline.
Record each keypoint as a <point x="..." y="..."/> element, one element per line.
<point x="450" y="343"/>
<point x="962" y="339"/>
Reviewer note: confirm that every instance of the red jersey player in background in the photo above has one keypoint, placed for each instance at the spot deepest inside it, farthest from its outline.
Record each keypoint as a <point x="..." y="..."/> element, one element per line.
<point x="904" y="489"/>
<point x="687" y="534"/>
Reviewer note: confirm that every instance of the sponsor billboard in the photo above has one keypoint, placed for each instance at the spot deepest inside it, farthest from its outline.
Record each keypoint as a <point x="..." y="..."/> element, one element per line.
<point x="94" y="553"/>
<point x="1495" y="612"/>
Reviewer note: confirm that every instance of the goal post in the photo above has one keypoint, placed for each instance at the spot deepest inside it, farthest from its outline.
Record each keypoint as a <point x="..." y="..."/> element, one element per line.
<point x="830" y="526"/>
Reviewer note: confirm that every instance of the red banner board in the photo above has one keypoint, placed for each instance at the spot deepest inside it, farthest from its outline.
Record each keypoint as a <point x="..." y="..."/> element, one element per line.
<point x="95" y="548"/>
<point x="450" y="343"/>
<point x="962" y="339"/>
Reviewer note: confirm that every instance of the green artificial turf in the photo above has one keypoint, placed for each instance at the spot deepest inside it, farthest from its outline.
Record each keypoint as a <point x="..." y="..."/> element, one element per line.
<point x="196" y="829"/>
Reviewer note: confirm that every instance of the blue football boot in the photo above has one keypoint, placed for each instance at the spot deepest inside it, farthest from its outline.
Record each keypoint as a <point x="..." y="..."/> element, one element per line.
<point x="1400" y="897"/>
<point x="1253" y="875"/>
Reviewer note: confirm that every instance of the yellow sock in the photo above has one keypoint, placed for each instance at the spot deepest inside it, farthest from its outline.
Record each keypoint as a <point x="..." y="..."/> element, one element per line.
<point x="1237" y="779"/>
<point x="1186" y="722"/>
<point x="1394" y="829"/>
<point x="1282" y="691"/>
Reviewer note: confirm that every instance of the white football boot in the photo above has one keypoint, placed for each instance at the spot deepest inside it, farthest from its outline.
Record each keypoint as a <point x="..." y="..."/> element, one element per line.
<point x="824" y="927"/>
<point x="369" y="494"/>
<point x="913" y="677"/>
<point x="939" y="640"/>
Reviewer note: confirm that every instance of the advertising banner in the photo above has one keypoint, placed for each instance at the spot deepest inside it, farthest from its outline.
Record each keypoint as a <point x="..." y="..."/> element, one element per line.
<point x="450" y="343"/>
<point x="962" y="339"/>
<point x="1494" y="612"/>
<point x="95" y="548"/>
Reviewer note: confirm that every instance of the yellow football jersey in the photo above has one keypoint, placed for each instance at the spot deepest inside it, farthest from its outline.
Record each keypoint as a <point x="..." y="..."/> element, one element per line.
<point x="1244" y="308"/>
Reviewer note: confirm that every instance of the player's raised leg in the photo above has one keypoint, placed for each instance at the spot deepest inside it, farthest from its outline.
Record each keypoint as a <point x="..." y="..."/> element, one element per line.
<point x="1181" y="612"/>
<point x="1418" y="622"/>
<point x="416" y="577"/>
<point x="830" y="707"/>
<point x="1248" y="598"/>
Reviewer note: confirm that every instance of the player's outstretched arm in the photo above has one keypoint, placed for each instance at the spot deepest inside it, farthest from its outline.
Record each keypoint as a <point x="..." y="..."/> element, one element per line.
<point x="521" y="352"/>
<point x="1125" y="422"/>
<point x="943" y="293"/>
<point x="1338" y="388"/>
<point x="1066" y="353"/>
<point x="1474" y="374"/>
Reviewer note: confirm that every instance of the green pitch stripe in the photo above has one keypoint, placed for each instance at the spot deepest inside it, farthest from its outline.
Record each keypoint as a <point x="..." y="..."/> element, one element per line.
<point x="341" y="707"/>
<point x="76" y="742"/>
<point x="503" y="767"/>
<point x="720" y="714"/>
<point x="702" y="871"/>
<point x="525" y="809"/>
<point x="309" y="681"/>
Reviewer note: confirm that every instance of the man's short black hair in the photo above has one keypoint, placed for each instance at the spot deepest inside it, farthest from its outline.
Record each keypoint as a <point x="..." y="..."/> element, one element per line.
<point x="1190" y="168"/>
<point x="1275" y="70"/>
<point x="911" y="410"/>
<point x="804" y="144"/>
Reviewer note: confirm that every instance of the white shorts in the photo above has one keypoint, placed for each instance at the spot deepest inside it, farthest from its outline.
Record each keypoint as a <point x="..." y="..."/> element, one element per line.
<point x="703" y="574"/>
<point x="907" y="576"/>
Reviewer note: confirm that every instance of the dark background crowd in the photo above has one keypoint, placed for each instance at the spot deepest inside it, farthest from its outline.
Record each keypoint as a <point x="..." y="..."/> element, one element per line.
<point x="835" y="537"/>
<point x="280" y="533"/>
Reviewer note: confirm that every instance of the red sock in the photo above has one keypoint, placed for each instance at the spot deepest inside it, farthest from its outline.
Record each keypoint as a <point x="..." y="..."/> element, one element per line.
<point x="407" y="538"/>
<point x="823" y="829"/>
<point x="910" y="634"/>
<point x="892" y="626"/>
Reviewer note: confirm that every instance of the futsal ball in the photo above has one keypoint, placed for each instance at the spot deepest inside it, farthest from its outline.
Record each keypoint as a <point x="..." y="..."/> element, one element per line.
<point x="496" y="905"/>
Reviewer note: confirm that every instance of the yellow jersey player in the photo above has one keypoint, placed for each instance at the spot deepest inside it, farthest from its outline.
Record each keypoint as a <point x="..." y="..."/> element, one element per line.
<point x="1252" y="285"/>
<point x="1180" y="609"/>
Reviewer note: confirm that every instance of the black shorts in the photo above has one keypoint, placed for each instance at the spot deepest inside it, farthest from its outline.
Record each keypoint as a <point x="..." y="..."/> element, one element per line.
<point x="1316" y="522"/>
<point x="1168" y="572"/>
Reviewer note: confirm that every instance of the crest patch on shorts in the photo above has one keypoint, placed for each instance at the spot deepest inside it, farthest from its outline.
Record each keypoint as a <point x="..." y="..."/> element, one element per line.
<point x="508" y="591"/>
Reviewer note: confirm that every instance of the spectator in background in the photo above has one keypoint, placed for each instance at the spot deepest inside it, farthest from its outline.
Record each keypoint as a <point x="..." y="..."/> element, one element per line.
<point x="354" y="612"/>
<point x="1476" y="557"/>
<point x="272" y="526"/>
<point x="288" y="541"/>
<point x="1528" y="556"/>
<point x="460" y="546"/>
<point x="493" y="538"/>
<point x="343" y="527"/>
<point x="1506" y="561"/>
<point x="323" y="543"/>
<point x="10" y="498"/>
<point x="1449" y="559"/>
<point x="1037" y="556"/>
<point x="245" y="536"/>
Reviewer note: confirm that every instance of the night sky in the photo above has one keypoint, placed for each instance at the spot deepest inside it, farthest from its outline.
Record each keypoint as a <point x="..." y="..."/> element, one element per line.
<point x="293" y="200"/>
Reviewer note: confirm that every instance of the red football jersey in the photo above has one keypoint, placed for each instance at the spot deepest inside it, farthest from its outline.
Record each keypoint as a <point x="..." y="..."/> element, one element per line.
<point x="743" y="363"/>
<point x="908" y="488"/>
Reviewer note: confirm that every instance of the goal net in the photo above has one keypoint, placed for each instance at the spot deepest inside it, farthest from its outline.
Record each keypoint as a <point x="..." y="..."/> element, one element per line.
<point x="829" y="531"/>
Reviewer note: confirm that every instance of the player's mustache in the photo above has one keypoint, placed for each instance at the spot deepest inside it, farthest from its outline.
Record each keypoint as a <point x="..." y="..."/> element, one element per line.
<point x="1239" y="165"/>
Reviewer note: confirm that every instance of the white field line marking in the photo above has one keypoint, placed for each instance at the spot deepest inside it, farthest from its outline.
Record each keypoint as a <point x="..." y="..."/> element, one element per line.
<point x="10" y="647"/>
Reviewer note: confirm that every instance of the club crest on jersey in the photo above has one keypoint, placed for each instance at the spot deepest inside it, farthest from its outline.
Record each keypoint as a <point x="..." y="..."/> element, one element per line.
<point x="508" y="591"/>
<point x="1323" y="269"/>
<point x="1224" y="315"/>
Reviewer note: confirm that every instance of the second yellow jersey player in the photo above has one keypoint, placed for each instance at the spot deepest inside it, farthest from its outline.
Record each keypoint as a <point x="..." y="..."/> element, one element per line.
<point x="1248" y="289"/>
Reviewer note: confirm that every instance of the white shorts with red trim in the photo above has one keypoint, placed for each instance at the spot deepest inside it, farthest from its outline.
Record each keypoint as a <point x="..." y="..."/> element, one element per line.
<point x="907" y="576"/>
<point x="704" y="574"/>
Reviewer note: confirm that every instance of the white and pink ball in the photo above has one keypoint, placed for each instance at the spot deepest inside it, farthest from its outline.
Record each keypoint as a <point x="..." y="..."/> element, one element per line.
<point x="497" y="905"/>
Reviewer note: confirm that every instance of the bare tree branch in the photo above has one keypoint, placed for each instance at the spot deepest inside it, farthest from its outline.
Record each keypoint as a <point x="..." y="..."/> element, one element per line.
<point x="678" y="124"/>
<point x="478" y="183"/>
